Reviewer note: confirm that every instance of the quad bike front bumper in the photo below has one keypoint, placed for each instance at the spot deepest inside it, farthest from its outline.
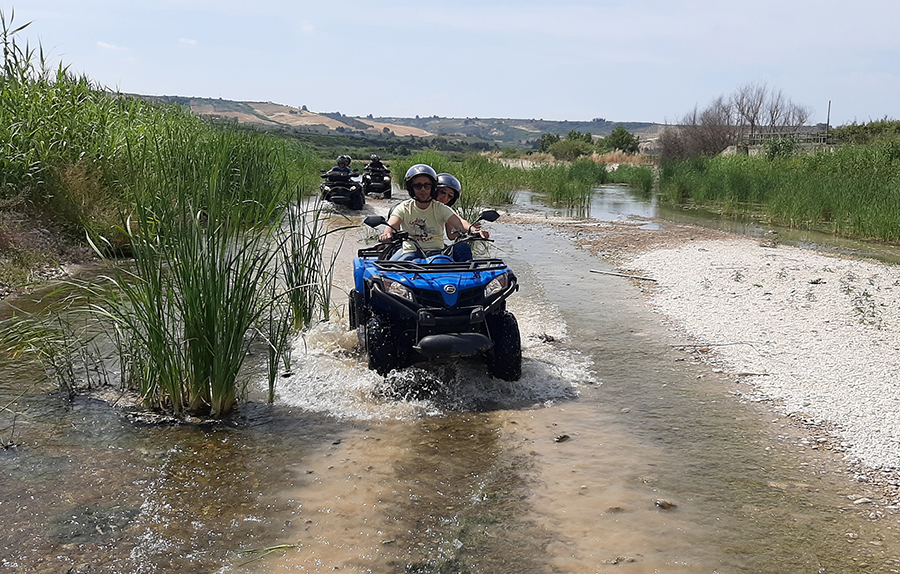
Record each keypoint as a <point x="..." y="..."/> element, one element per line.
<point x="451" y="345"/>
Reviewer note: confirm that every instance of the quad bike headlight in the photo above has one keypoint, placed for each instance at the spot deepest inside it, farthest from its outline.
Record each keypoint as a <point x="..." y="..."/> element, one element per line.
<point x="497" y="285"/>
<point x="397" y="289"/>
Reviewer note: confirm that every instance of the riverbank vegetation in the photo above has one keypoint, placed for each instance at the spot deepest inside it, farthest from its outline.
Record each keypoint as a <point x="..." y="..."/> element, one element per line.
<point x="844" y="181"/>
<point x="851" y="190"/>
<point x="209" y="217"/>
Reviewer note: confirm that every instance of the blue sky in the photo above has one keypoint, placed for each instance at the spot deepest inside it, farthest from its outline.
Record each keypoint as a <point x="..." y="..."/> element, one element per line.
<point x="650" y="60"/>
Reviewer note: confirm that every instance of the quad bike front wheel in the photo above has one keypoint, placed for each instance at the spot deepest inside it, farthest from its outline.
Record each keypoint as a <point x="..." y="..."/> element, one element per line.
<point x="357" y="200"/>
<point x="504" y="360"/>
<point x="381" y="347"/>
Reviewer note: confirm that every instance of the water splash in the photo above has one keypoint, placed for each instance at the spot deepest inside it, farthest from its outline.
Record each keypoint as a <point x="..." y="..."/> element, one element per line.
<point x="330" y="374"/>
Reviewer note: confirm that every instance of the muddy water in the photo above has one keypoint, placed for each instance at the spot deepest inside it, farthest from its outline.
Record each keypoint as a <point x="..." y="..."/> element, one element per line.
<point x="616" y="452"/>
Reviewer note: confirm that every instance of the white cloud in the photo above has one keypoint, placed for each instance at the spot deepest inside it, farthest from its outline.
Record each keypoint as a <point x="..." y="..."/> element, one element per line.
<point x="187" y="41"/>
<point x="113" y="47"/>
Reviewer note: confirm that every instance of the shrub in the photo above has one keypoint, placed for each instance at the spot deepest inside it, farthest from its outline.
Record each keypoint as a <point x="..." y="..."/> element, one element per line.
<point x="570" y="150"/>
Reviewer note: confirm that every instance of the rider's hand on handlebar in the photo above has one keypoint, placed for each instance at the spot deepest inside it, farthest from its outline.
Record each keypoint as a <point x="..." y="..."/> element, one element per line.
<point x="387" y="235"/>
<point x="475" y="229"/>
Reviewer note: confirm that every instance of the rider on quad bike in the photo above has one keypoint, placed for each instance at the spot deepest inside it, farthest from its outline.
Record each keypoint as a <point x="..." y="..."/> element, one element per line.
<point x="377" y="177"/>
<point x="339" y="187"/>
<point x="429" y="306"/>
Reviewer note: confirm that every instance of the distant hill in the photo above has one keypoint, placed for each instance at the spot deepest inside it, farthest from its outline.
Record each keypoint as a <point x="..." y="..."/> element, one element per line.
<point x="500" y="131"/>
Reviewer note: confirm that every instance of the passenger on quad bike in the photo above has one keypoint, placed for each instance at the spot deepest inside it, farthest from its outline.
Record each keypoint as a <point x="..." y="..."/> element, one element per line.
<point x="449" y="190"/>
<point x="425" y="219"/>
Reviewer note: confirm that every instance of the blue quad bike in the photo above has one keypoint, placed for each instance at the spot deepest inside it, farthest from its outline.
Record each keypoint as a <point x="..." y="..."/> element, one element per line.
<point x="407" y="312"/>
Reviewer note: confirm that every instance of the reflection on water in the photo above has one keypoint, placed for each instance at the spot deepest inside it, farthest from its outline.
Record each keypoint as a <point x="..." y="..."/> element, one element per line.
<point x="618" y="202"/>
<point x="608" y="203"/>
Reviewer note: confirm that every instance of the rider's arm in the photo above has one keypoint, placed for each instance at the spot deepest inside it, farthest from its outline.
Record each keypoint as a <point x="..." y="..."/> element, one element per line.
<point x="388" y="233"/>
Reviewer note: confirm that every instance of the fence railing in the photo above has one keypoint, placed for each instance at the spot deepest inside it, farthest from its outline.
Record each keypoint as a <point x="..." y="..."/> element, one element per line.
<point x="800" y="137"/>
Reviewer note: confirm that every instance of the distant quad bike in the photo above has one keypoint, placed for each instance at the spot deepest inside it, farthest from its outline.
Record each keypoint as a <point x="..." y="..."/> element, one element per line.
<point x="407" y="312"/>
<point x="377" y="180"/>
<point x="342" y="189"/>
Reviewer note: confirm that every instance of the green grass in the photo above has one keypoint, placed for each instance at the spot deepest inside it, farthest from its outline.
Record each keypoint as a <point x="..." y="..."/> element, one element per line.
<point x="852" y="191"/>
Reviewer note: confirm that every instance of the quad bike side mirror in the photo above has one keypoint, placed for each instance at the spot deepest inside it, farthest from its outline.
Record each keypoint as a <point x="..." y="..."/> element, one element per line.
<point x="488" y="215"/>
<point x="375" y="220"/>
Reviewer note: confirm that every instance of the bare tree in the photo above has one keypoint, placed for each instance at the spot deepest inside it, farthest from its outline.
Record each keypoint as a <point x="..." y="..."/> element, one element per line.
<point x="726" y="119"/>
<point x="776" y="108"/>
<point x="748" y="102"/>
<point x="702" y="132"/>
<point x="797" y="116"/>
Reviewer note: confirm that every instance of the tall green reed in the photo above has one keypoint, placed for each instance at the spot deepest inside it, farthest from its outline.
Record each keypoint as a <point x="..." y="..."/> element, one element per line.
<point x="198" y="207"/>
<point x="306" y="269"/>
<point x="205" y="241"/>
<point x="853" y="190"/>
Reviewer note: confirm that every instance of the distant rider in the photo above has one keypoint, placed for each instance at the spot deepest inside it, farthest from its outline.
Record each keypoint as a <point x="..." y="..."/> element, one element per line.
<point x="343" y="165"/>
<point x="375" y="164"/>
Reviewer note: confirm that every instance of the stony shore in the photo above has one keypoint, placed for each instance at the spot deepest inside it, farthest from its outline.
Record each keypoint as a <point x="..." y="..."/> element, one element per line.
<point x="813" y="334"/>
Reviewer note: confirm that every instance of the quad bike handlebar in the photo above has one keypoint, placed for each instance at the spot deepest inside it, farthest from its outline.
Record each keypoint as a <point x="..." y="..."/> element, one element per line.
<point x="398" y="237"/>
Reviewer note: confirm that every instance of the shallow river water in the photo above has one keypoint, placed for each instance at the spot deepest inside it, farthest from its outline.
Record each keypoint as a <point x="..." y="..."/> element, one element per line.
<point x="617" y="451"/>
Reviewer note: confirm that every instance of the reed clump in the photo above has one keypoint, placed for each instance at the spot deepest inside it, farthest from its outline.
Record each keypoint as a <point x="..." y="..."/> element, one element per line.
<point x="208" y="215"/>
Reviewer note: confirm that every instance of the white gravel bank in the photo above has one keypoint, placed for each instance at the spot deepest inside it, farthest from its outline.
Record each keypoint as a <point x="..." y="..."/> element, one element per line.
<point x="820" y="333"/>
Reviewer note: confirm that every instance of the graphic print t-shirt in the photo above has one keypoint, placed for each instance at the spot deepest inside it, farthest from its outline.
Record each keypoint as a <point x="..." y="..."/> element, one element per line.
<point x="424" y="225"/>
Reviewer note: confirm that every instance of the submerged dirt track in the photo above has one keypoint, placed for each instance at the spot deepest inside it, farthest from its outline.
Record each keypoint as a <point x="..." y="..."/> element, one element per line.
<point x="652" y="463"/>
<point x="618" y="451"/>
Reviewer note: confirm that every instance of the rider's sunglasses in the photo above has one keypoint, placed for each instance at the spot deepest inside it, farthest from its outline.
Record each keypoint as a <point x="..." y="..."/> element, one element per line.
<point x="444" y="191"/>
<point x="422" y="185"/>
